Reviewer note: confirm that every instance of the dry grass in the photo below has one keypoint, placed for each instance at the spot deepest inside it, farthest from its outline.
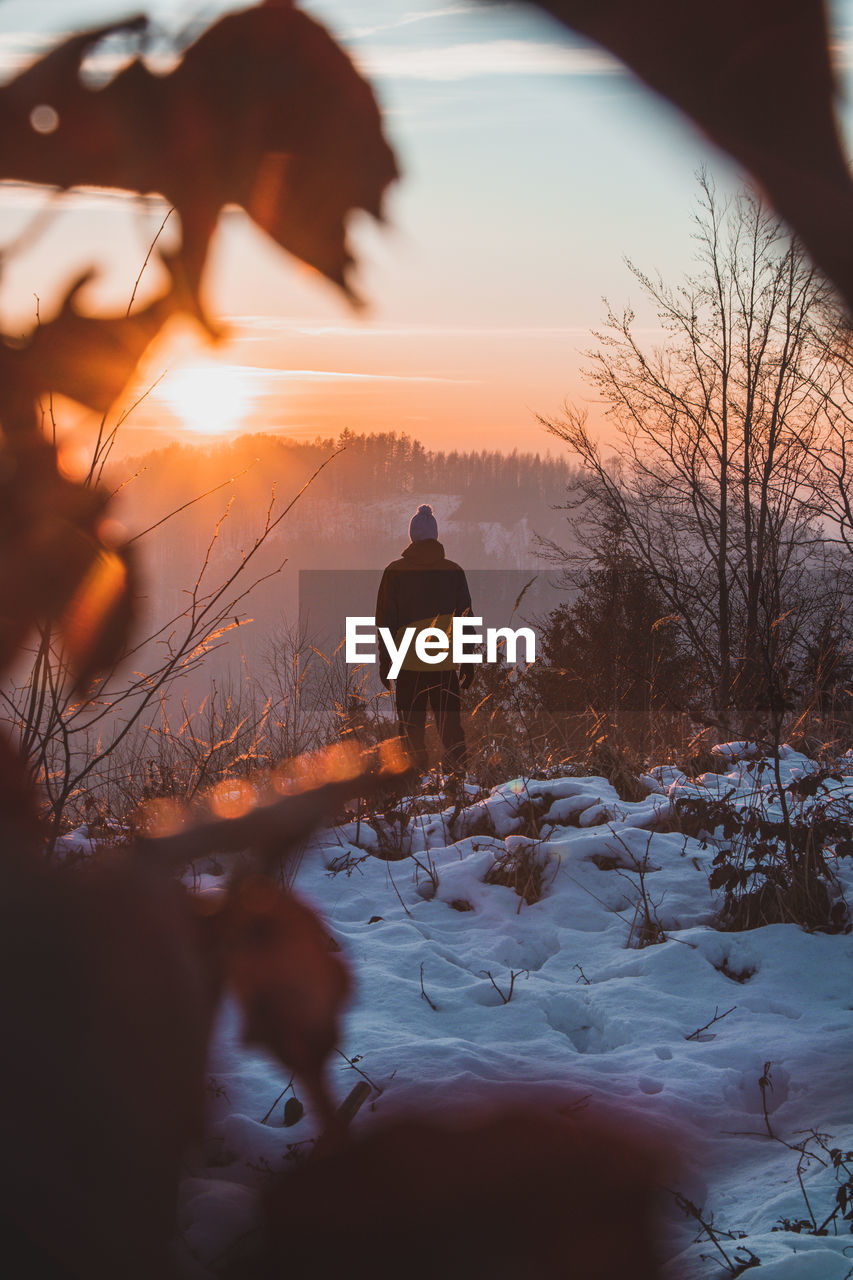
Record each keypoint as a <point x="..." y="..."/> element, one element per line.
<point x="522" y="869"/>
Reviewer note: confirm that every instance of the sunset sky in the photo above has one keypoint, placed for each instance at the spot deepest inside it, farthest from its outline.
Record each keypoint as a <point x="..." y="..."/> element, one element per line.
<point x="533" y="164"/>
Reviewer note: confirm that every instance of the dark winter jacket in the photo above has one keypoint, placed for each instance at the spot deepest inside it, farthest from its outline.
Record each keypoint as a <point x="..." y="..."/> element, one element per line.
<point x="421" y="589"/>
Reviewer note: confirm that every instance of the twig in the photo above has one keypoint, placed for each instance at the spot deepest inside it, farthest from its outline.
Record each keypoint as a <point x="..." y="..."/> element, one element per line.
<point x="617" y="911"/>
<point x="689" y="1208"/>
<point x="805" y="1156"/>
<point x="351" y="1063"/>
<point x="189" y="503"/>
<point x="397" y="891"/>
<point x="513" y="974"/>
<point x="289" y="1085"/>
<point x="429" y="870"/>
<point x="718" y="1017"/>
<point x="434" y="1007"/>
<point x="147" y="258"/>
<point x="765" y="1082"/>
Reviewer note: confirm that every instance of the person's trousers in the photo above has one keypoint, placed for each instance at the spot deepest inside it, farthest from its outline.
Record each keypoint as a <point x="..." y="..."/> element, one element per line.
<point x="415" y="691"/>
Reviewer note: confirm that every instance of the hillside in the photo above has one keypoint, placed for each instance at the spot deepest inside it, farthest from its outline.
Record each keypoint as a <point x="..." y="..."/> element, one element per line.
<point x="614" y="992"/>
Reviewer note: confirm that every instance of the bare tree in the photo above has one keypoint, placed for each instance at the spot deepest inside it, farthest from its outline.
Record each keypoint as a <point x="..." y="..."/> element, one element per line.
<point x="718" y="428"/>
<point x="315" y="697"/>
<point x="831" y="473"/>
<point x="180" y="753"/>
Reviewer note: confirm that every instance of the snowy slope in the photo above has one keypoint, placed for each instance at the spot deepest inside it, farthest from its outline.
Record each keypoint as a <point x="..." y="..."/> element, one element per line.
<point x="465" y="989"/>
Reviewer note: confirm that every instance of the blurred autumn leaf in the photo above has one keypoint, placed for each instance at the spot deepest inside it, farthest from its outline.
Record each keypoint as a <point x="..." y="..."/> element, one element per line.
<point x="290" y="983"/>
<point x="756" y="76"/>
<point x="264" y="110"/>
<point x="87" y="358"/>
<point x="53" y="563"/>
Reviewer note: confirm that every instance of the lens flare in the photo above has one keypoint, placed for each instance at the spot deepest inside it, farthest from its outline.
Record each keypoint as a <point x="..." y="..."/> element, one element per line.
<point x="209" y="397"/>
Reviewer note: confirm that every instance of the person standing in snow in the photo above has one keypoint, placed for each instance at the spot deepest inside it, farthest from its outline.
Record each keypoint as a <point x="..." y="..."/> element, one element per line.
<point x="425" y="589"/>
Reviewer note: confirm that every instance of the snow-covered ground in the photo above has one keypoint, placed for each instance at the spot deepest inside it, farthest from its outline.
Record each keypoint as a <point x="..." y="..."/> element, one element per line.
<point x="463" y="989"/>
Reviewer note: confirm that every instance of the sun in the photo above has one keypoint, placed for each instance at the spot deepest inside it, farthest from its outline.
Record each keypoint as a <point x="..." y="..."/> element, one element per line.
<point x="209" y="397"/>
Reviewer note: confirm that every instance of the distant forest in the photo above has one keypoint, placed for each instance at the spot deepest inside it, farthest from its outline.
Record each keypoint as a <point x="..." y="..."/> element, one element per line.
<point x="492" y="486"/>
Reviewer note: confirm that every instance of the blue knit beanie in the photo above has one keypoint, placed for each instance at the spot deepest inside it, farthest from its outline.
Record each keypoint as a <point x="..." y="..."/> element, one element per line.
<point x="423" y="525"/>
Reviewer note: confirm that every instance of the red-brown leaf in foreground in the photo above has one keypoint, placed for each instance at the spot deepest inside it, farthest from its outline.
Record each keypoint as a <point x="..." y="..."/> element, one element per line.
<point x="89" y="359"/>
<point x="264" y="111"/>
<point x="292" y="986"/>
<point x="96" y="622"/>
<point x="105" y="1004"/>
<point x="521" y="1194"/>
<point x="110" y="978"/>
<point x="53" y="564"/>
<point x="756" y="76"/>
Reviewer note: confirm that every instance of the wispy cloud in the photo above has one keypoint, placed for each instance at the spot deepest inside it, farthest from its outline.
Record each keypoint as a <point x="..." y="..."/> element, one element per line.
<point x="261" y="327"/>
<point x="436" y="61"/>
<point x="411" y="19"/>
<point x="33" y="198"/>
<point x="260" y="376"/>
<point x="485" y="58"/>
<point x="330" y="375"/>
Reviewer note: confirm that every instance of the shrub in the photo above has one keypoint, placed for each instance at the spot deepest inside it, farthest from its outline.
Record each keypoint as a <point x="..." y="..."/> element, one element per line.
<point x="522" y="868"/>
<point x="774" y="870"/>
